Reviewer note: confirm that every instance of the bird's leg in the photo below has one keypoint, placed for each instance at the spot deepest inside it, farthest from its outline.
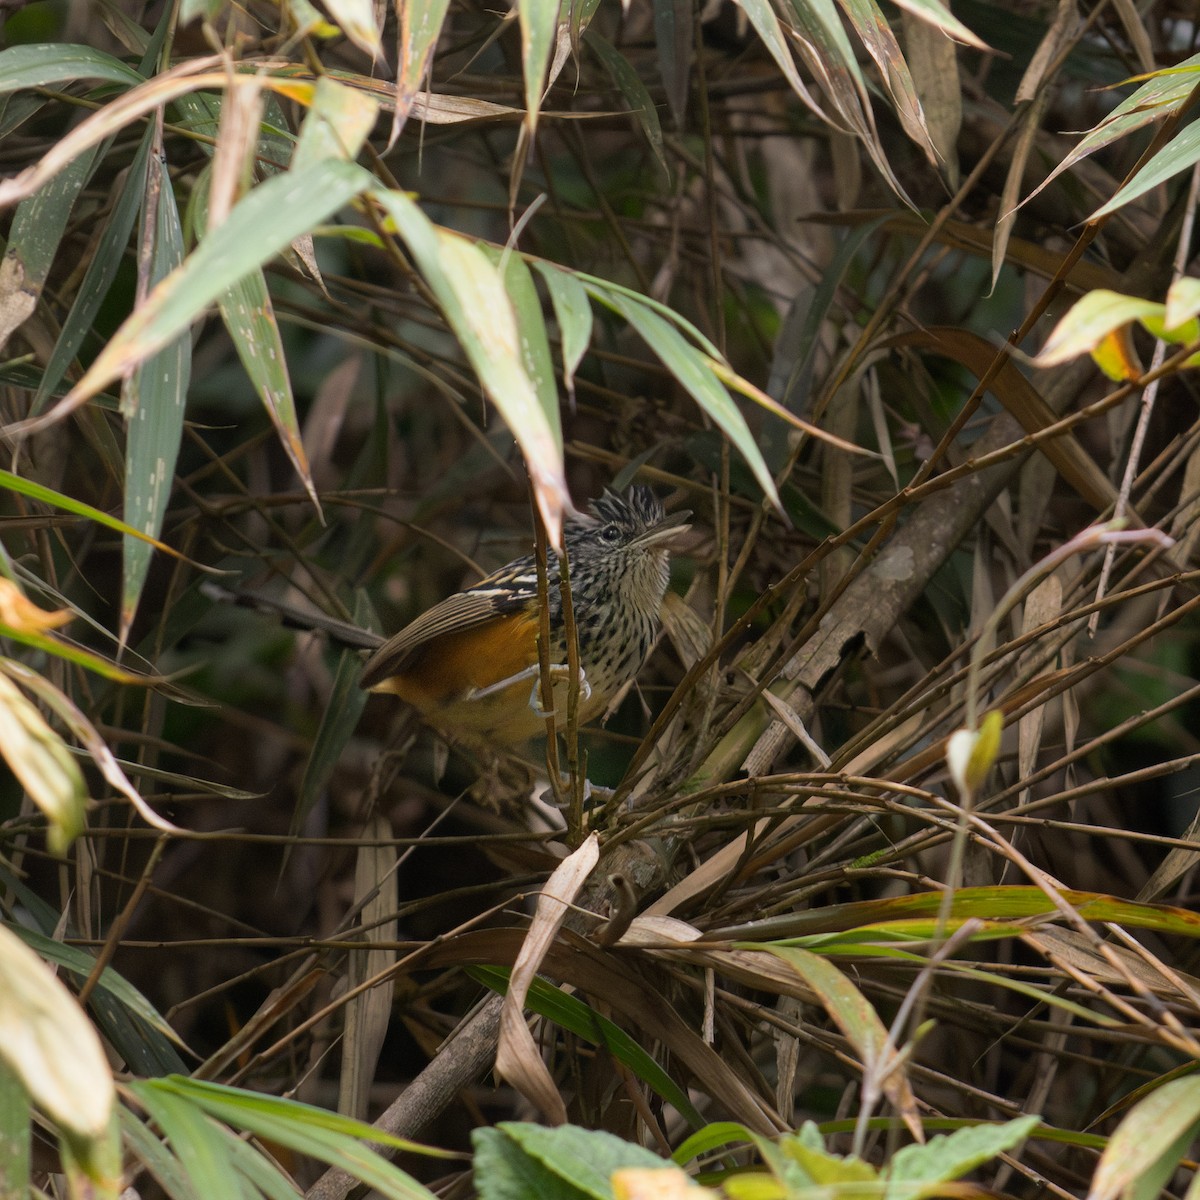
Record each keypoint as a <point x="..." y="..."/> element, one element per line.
<point x="557" y="671"/>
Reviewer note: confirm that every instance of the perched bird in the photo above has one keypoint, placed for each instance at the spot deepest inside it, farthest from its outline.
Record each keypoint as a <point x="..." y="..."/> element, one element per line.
<point x="470" y="664"/>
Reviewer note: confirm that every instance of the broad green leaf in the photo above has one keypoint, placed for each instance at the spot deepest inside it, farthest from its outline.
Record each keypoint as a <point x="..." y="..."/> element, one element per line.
<point x="633" y="91"/>
<point x="475" y="303"/>
<point x="1146" y="1148"/>
<point x="1180" y="154"/>
<point x="152" y="402"/>
<point x="691" y="368"/>
<point x="44" y="767"/>
<point x="573" y="312"/>
<point x="45" y="65"/>
<point x="917" y="1170"/>
<point x="1089" y="321"/>
<point x="338" y="121"/>
<point x="259" y="226"/>
<point x="46" y="1039"/>
<point x="580" y="1159"/>
<point x="33" y="240"/>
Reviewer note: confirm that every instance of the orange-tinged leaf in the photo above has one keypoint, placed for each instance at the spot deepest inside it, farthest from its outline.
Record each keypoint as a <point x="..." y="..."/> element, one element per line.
<point x="1115" y="356"/>
<point x="1089" y="321"/>
<point x="20" y="613"/>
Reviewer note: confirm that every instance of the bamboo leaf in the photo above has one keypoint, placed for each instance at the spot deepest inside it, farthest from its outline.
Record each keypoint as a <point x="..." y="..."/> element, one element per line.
<point x="691" y="367"/>
<point x="473" y="298"/>
<point x="152" y="403"/>
<point x="259" y="226"/>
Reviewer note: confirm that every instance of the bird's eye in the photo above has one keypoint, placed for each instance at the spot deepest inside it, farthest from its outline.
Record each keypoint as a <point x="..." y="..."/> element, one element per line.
<point x="610" y="535"/>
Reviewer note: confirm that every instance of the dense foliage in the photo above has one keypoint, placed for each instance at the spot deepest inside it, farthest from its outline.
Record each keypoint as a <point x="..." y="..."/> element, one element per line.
<point x="324" y="311"/>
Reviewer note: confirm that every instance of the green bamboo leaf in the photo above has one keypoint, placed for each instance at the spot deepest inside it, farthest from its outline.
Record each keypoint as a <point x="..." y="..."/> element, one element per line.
<point x="311" y="1131"/>
<point x="691" y="367"/>
<point x="766" y="25"/>
<point x="1159" y="97"/>
<point x="45" y="495"/>
<point x="1013" y="903"/>
<point x="152" y="402"/>
<point x="249" y="317"/>
<point x="880" y="43"/>
<point x="633" y="91"/>
<point x="338" y="722"/>
<point x="16" y="1127"/>
<point x="531" y="325"/>
<point x="420" y="27"/>
<point x="200" y="1145"/>
<point x="152" y="1152"/>
<point x="476" y="305"/>
<point x="75" y="655"/>
<point x="259" y="226"/>
<point x="98" y="278"/>
<point x="1180" y="154"/>
<point x="338" y="121"/>
<point x="940" y="17"/>
<point x="582" y="1020"/>
<point x="82" y="963"/>
<point x="573" y="312"/>
<point x="674" y="29"/>
<point x="539" y="23"/>
<point x="33" y="241"/>
<point x="853" y="1015"/>
<point x="43" y="65"/>
<point x="826" y="48"/>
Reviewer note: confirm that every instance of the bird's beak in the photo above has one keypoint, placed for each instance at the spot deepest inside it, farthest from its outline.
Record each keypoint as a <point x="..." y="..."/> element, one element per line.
<point x="668" y="531"/>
